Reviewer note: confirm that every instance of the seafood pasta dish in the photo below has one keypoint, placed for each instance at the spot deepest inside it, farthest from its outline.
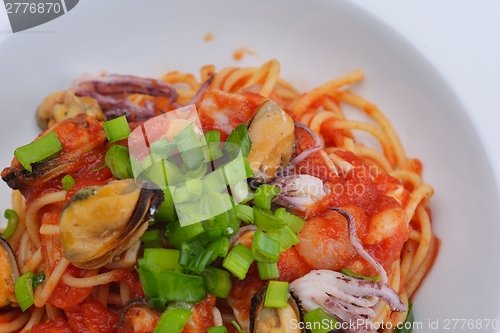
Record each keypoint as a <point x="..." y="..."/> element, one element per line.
<point x="228" y="203"/>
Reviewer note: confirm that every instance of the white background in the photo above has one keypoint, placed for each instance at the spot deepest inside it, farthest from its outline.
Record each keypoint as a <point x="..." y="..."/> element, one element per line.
<point x="461" y="38"/>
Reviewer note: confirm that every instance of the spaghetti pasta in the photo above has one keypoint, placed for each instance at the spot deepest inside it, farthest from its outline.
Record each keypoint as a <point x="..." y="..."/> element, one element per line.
<point x="392" y="177"/>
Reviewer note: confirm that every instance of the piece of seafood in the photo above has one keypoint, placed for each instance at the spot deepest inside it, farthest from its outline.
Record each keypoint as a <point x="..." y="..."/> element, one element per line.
<point x="345" y="298"/>
<point x="272" y="320"/>
<point x="9" y="272"/>
<point x="299" y="191"/>
<point x="272" y="132"/>
<point x="61" y="105"/>
<point x="99" y="223"/>
<point x="137" y="316"/>
<point x="111" y="92"/>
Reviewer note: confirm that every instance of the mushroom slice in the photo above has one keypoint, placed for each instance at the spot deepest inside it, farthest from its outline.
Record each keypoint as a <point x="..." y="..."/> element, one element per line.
<point x="99" y="223"/>
<point x="272" y="133"/>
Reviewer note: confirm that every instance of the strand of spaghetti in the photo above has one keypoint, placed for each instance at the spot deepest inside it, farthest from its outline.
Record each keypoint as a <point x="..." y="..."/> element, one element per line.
<point x="407" y="254"/>
<point x="421" y="192"/>
<point x="384" y="312"/>
<point x="32" y="262"/>
<point x="24" y="249"/>
<point x="415" y="235"/>
<point x="177" y="77"/>
<point x="50" y="229"/>
<point x="425" y="240"/>
<point x="257" y="75"/>
<point x="373" y="111"/>
<point x="221" y="77"/>
<point x="234" y="79"/>
<point x="285" y="84"/>
<point x="284" y="93"/>
<point x="52" y="311"/>
<point x="32" y="210"/>
<point x="307" y="99"/>
<point x="15" y="325"/>
<point x="319" y="118"/>
<point x="409" y="176"/>
<point x="413" y="283"/>
<point x="349" y="144"/>
<point x="51" y="283"/>
<point x="341" y="163"/>
<point x="271" y="79"/>
<point x="18" y="205"/>
<point x="374" y="155"/>
<point x="92" y="281"/>
<point x="328" y="162"/>
<point x="124" y="291"/>
<point x="115" y="299"/>
<point x="369" y="128"/>
<point x="36" y="317"/>
<point x="103" y="294"/>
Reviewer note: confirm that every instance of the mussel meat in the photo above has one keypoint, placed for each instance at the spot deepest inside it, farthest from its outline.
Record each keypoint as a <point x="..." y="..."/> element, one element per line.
<point x="99" y="223"/>
<point x="271" y="320"/>
<point x="136" y="316"/>
<point x="272" y="132"/>
<point x="9" y="272"/>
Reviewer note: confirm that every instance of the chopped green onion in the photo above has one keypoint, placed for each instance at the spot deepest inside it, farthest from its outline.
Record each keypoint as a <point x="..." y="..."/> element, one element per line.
<point x="276" y="295"/>
<point x="173" y="321"/>
<point x="162" y="148"/>
<point x="407" y="328"/>
<point x="214" y="181"/>
<point x="166" y="212"/>
<point x="265" y="220"/>
<point x="67" y="182"/>
<point x="39" y="150"/>
<point x="264" y="195"/>
<point x="171" y="285"/>
<point x="214" y="250"/>
<point x="268" y="270"/>
<point x="244" y="213"/>
<point x="151" y="238"/>
<point x="285" y="237"/>
<point x="118" y="161"/>
<point x="238" y="328"/>
<point x="177" y="235"/>
<point x="350" y="273"/>
<point x="218" y="281"/>
<point x="12" y="221"/>
<point x="239" y="137"/>
<point x="162" y="258"/>
<point x="264" y="248"/>
<point x="294" y="222"/>
<point x="190" y="147"/>
<point x="189" y="253"/>
<point x="238" y="261"/>
<point x="319" y="321"/>
<point x="241" y="192"/>
<point x="38" y="279"/>
<point x="116" y="129"/>
<point x="234" y="170"/>
<point x="213" y="151"/>
<point x="23" y="288"/>
<point x="217" y="329"/>
<point x="233" y="224"/>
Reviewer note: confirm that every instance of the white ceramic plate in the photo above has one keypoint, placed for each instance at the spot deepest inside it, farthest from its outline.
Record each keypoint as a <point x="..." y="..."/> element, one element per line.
<point x="315" y="41"/>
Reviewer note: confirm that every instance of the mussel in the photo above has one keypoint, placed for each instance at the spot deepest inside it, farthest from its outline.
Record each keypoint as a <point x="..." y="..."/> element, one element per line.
<point x="272" y="132"/>
<point x="9" y="272"/>
<point x="99" y="223"/>
<point x="136" y="316"/>
<point x="271" y="320"/>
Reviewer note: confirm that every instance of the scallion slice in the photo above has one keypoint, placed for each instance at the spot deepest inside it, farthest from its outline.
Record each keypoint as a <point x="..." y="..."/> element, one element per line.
<point x="151" y="238"/>
<point x="264" y="248"/>
<point x="67" y="182"/>
<point x="276" y="294"/>
<point x="319" y="321"/>
<point x="285" y="237"/>
<point x="294" y="222"/>
<point x="213" y="151"/>
<point x="238" y="261"/>
<point x="162" y="258"/>
<point x="38" y="279"/>
<point x="39" y="150"/>
<point x="116" y="129"/>
<point x="173" y="320"/>
<point x="218" y="281"/>
<point x="245" y="213"/>
<point x="190" y="147"/>
<point x="264" y="195"/>
<point x="12" y="221"/>
<point x="239" y="137"/>
<point x="268" y="270"/>
<point x="118" y="161"/>
<point x="265" y="220"/>
<point x="23" y="288"/>
<point x="217" y="329"/>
